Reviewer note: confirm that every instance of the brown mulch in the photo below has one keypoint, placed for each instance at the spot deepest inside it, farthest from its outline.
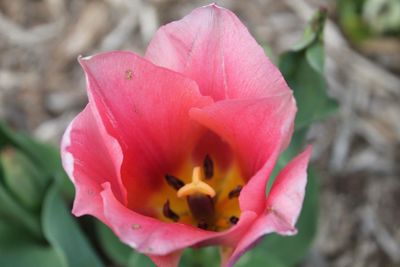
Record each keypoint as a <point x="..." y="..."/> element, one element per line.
<point x="357" y="152"/>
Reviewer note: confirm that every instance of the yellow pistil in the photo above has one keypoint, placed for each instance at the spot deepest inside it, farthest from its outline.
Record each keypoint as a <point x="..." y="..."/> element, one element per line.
<point x="197" y="186"/>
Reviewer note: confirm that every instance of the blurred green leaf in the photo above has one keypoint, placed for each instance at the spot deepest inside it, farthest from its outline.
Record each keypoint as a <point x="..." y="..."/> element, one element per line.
<point x="139" y="260"/>
<point x="201" y="257"/>
<point x="265" y="259"/>
<point x="313" y="31"/>
<point x="44" y="157"/>
<point x="309" y="89"/>
<point x="303" y="69"/>
<point x="22" y="179"/>
<point x="349" y="15"/>
<point x="12" y="213"/>
<point x="63" y="232"/>
<point x="114" y="249"/>
<point x="17" y="249"/>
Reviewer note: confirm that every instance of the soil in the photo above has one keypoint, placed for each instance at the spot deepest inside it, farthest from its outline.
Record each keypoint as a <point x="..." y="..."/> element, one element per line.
<point x="356" y="152"/>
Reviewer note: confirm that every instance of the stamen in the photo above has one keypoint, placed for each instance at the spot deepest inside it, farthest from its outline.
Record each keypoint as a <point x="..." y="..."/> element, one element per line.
<point x="235" y="192"/>
<point x="208" y="166"/>
<point x="197" y="186"/>
<point x="170" y="214"/>
<point x="233" y="220"/>
<point x="174" y="182"/>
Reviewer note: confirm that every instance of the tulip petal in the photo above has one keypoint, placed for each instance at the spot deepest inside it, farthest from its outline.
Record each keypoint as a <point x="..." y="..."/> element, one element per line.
<point x="145" y="108"/>
<point x="257" y="130"/>
<point x="91" y="157"/>
<point x="153" y="237"/>
<point x="283" y="206"/>
<point x="170" y="260"/>
<point x="214" y="48"/>
<point x="287" y="193"/>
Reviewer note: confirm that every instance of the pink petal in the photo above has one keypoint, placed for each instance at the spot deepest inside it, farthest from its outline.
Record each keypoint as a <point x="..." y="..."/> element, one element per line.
<point x="257" y="130"/>
<point x="145" y="108"/>
<point x="170" y="260"/>
<point x="153" y="237"/>
<point x="287" y="193"/>
<point x="213" y="145"/>
<point x="91" y="157"/>
<point x="283" y="206"/>
<point x="213" y="47"/>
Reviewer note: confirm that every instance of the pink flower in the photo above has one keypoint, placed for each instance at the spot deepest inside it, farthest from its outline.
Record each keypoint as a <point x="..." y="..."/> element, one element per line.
<point x="175" y="149"/>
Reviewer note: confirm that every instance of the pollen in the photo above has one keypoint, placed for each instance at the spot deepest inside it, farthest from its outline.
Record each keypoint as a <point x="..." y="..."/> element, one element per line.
<point x="197" y="186"/>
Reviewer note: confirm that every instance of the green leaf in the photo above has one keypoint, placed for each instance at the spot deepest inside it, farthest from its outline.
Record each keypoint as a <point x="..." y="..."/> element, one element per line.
<point x="18" y="250"/>
<point x="139" y="260"/>
<point x="64" y="234"/>
<point x="313" y="31"/>
<point x="351" y="20"/>
<point x="13" y="213"/>
<point x="45" y="157"/>
<point x="258" y="258"/>
<point x="22" y="179"/>
<point x="115" y="250"/>
<point x="200" y="257"/>
<point x="316" y="58"/>
<point x="303" y="69"/>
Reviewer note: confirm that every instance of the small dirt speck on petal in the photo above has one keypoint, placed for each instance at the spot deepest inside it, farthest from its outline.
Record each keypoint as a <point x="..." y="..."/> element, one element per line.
<point x="128" y="74"/>
<point x="136" y="226"/>
<point x="90" y="192"/>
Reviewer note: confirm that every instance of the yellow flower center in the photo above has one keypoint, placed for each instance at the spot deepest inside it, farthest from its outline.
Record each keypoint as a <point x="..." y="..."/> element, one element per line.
<point x="207" y="199"/>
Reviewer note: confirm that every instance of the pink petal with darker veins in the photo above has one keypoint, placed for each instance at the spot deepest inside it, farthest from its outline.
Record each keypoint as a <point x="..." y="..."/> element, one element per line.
<point x="91" y="157"/>
<point x="145" y="108"/>
<point x="283" y="206"/>
<point x="257" y="130"/>
<point x="287" y="192"/>
<point x="214" y="48"/>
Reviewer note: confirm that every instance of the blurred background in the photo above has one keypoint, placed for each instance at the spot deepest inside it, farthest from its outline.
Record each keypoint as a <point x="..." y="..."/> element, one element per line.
<point x="356" y="152"/>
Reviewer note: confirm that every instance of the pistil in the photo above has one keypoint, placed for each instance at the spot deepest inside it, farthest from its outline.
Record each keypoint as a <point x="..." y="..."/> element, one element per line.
<point x="199" y="196"/>
<point x="197" y="186"/>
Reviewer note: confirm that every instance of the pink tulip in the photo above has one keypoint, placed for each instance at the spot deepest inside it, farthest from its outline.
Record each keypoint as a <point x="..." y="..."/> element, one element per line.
<point x="175" y="149"/>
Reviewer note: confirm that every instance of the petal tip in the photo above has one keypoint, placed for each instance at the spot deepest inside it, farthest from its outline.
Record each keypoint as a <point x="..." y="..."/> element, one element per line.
<point x="82" y="58"/>
<point x="66" y="157"/>
<point x="308" y="152"/>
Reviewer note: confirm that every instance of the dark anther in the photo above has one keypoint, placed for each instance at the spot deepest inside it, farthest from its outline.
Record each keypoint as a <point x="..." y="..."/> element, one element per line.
<point x="202" y="225"/>
<point x="176" y="183"/>
<point x="233" y="220"/>
<point x="169" y="213"/>
<point x="235" y="192"/>
<point x="208" y="167"/>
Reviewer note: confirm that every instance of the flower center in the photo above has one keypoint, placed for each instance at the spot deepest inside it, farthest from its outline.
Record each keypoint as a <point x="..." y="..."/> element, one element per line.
<point x="207" y="199"/>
